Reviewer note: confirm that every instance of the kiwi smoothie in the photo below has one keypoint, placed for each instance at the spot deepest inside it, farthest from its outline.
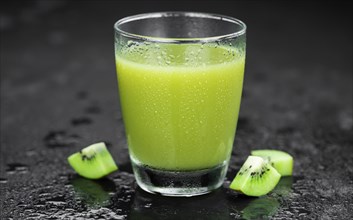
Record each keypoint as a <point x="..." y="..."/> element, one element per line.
<point x="180" y="112"/>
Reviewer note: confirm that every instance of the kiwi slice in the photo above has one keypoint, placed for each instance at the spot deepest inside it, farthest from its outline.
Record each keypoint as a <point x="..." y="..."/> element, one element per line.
<point x="93" y="162"/>
<point x="281" y="161"/>
<point x="256" y="177"/>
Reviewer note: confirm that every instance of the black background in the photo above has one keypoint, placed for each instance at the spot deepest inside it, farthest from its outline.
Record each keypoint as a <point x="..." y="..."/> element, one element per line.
<point x="59" y="94"/>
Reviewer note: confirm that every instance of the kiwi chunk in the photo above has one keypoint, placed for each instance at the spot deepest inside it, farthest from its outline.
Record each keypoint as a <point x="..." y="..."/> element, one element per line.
<point x="256" y="177"/>
<point x="93" y="162"/>
<point x="281" y="161"/>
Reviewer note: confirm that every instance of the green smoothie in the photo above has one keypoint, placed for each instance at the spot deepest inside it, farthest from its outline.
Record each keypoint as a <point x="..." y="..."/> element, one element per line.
<point x="180" y="103"/>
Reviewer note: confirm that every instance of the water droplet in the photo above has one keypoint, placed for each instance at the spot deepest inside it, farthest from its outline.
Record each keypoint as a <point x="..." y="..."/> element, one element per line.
<point x="60" y="139"/>
<point x="81" y="121"/>
<point x="56" y="203"/>
<point x="39" y="206"/>
<point x="93" y="109"/>
<point x="30" y="153"/>
<point x="82" y="95"/>
<point x="148" y="205"/>
<point x="2" y="180"/>
<point x="16" y="167"/>
<point x="44" y="195"/>
<point x="130" y="43"/>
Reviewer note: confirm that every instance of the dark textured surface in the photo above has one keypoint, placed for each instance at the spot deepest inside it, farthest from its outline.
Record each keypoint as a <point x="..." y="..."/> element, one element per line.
<point x="59" y="93"/>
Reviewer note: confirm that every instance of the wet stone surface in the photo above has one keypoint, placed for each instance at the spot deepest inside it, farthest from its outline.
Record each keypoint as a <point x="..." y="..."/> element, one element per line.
<point x="59" y="94"/>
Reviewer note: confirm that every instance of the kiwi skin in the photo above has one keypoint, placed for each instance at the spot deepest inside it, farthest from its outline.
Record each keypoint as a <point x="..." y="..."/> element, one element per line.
<point x="256" y="177"/>
<point x="281" y="161"/>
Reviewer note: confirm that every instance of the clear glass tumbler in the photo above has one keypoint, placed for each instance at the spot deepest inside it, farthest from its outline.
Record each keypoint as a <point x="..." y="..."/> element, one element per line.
<point x="180" y="79"/>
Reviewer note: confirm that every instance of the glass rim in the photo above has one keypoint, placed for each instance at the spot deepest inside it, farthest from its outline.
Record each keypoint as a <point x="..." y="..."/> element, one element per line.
<point x="220" y="17"/>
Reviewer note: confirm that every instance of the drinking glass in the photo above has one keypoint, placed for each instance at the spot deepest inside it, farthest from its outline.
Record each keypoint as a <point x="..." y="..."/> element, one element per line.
<point x="180" y="79"/>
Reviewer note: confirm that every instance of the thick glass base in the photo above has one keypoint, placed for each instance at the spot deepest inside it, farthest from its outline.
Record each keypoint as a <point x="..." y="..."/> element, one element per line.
<point x="179" y="183"/>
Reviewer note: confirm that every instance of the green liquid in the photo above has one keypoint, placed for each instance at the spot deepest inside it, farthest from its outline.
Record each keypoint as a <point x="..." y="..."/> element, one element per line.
<point x="180" y="112"/>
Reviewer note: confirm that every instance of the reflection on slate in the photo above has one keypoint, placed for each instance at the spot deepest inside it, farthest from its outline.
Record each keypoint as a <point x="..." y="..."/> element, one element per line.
<point x="93" y="193"/>
<point x="148" y="206"/>
<point x="284" y="186"/>
<point x="267" y="206"/>
<point x="260" y="208"/>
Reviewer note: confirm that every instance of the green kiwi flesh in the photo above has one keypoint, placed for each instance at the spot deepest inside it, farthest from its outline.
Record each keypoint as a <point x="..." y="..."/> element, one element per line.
<point x="256" y="177"/>
<point x="281" y="161"/>
<point x="93" y="162"/>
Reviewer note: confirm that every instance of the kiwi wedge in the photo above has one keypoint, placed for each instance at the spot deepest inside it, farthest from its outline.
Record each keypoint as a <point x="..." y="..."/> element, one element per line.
<point x="93" y="162"/>
<point x="256" y="177"/>
<point x="281" y="161"/>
